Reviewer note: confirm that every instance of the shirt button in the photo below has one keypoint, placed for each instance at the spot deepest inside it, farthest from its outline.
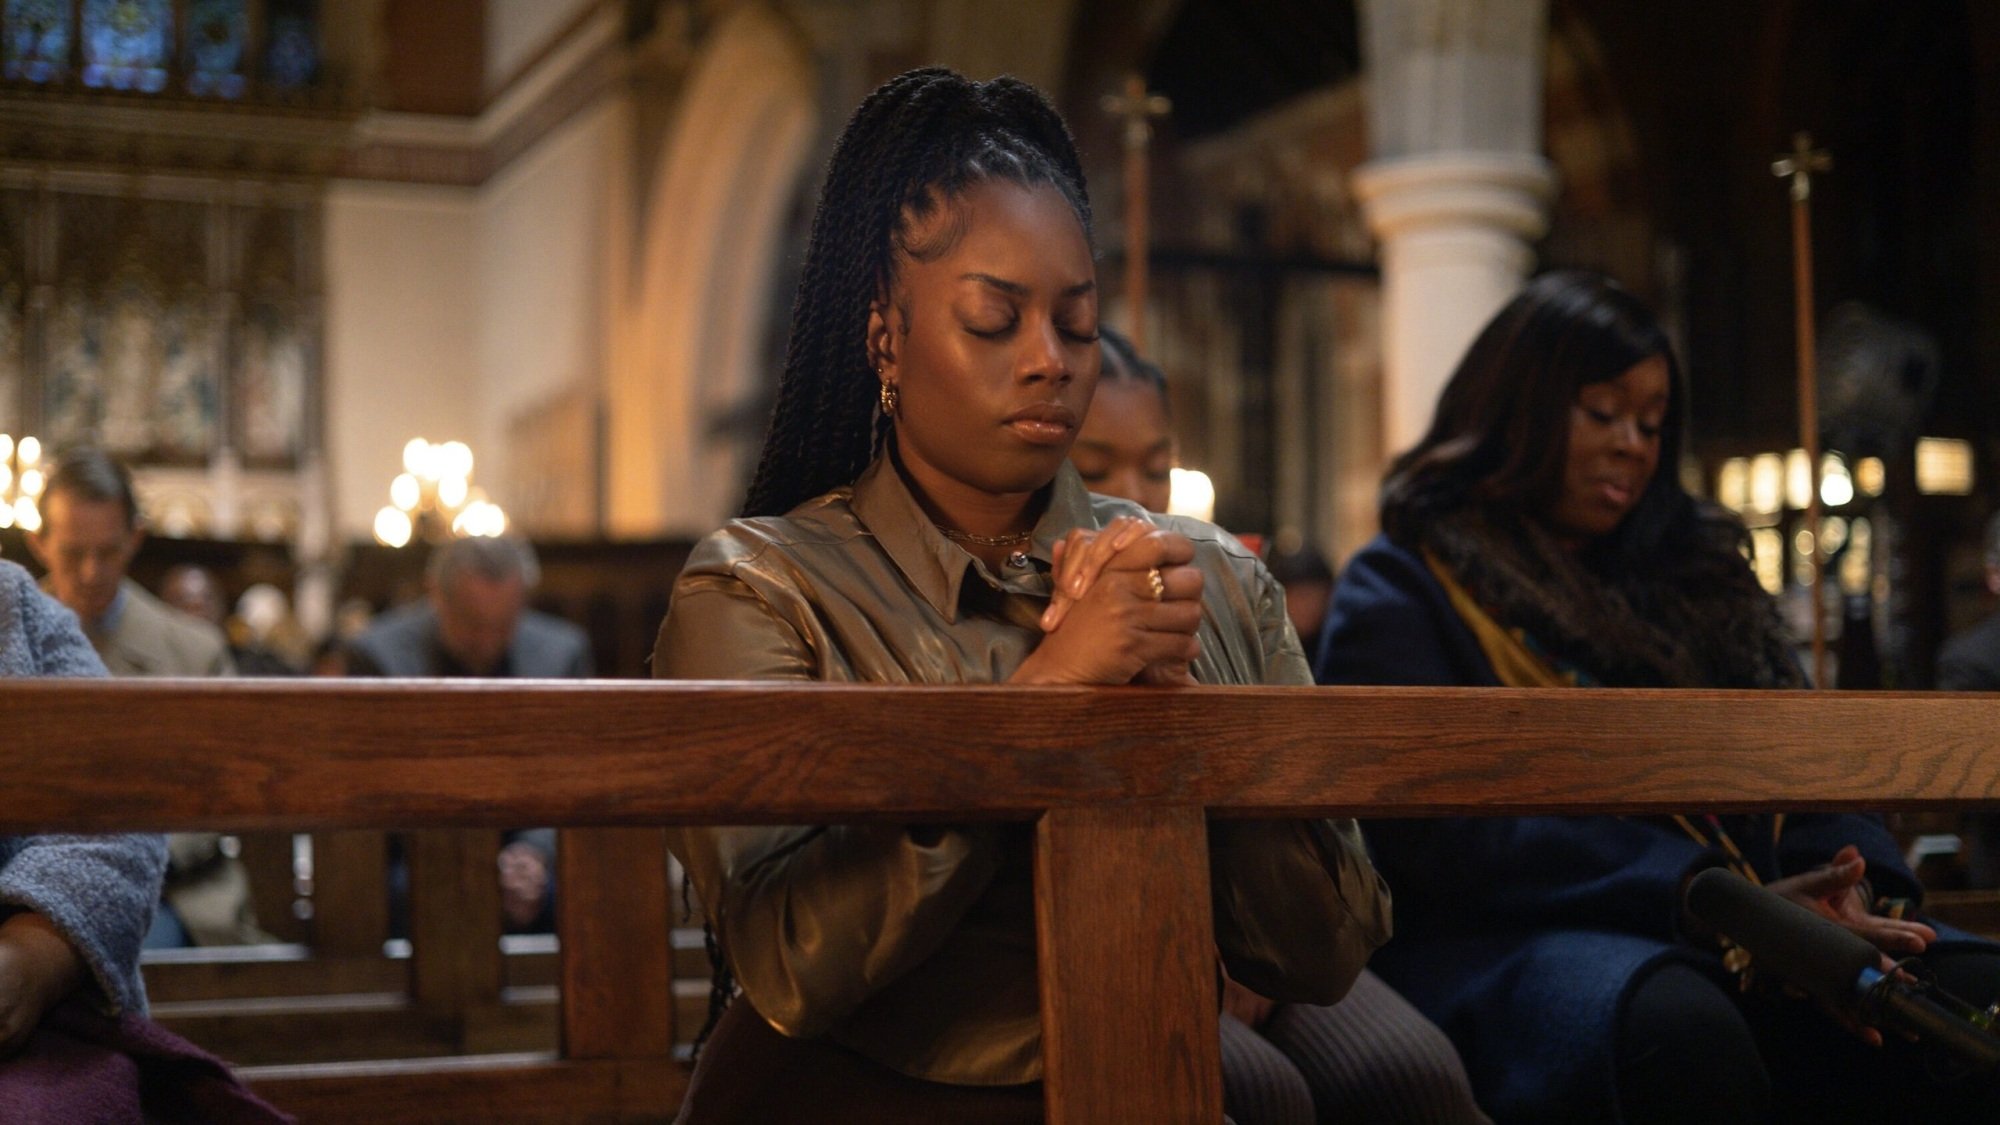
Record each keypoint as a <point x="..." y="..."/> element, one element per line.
<point x="1018" y="559"/>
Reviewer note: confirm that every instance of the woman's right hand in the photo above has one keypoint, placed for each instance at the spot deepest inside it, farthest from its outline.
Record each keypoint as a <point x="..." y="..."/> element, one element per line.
<point x="1111" y="628"/>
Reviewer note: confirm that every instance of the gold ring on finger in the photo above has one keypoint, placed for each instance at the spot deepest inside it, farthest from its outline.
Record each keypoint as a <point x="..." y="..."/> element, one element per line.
<point x="1158" y="583"/>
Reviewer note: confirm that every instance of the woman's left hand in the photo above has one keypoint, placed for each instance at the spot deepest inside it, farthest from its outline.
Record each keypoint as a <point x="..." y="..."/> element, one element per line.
<point x="37" y="969"/>
<point x="1081" y="557"/>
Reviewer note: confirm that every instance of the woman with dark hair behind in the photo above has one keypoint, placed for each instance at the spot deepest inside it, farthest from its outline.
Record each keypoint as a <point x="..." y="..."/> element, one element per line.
<point x="1538" y="536"/>
<point x="1371" y="1059"/>
<point x="914" y="520"/>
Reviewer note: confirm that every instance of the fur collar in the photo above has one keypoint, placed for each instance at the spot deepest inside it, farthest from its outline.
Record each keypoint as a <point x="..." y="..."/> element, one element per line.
<point x="1700" y="625"/>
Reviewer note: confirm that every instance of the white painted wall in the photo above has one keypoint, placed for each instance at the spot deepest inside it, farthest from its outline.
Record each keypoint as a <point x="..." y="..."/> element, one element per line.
<point x="402" y="331"/>
<point x="541" y="251"/>
<point x="452" y="311"/>
<point x="517" y="29"/>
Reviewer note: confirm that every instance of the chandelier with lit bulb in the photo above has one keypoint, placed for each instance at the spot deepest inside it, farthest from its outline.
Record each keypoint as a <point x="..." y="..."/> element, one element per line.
<point x="22" y="479"/>
<point x="434" y="499"/>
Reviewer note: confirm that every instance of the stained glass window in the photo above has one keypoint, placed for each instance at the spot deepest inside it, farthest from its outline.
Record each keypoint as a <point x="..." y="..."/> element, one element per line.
<point x="126" y="43"/>
<point x="291" y="43"/>
<point x="37" y="39"/>
<point x="216" y="33"/>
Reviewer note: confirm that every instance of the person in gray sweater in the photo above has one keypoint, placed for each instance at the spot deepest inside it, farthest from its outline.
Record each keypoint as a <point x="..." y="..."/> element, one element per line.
<point x="73" y="909"/>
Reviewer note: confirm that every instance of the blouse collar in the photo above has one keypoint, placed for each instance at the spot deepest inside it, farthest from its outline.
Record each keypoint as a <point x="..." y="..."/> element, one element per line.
<point x="934" y="565"/>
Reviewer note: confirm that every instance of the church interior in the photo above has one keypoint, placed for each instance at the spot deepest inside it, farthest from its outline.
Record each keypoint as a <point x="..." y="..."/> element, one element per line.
<point x="342" y="282"/>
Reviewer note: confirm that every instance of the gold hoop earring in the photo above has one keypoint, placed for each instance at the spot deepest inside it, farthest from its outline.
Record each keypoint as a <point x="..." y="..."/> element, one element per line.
<point x="889" y="400"/>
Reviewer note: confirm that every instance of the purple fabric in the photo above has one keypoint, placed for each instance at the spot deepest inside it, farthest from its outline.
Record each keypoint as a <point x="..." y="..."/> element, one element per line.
<point x="82" y="1067"/>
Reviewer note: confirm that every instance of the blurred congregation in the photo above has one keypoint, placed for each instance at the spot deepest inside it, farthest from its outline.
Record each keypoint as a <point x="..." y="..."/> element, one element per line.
<point x="429" y="339"/>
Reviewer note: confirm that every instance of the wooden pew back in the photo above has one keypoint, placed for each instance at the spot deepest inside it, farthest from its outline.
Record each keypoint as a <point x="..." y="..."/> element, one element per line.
<point x="1119" y="782"/>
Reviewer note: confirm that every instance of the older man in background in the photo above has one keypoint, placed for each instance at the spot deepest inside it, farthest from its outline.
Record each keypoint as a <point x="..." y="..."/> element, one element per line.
<point x="90" y="532"/>
<point x="474" y="621"/>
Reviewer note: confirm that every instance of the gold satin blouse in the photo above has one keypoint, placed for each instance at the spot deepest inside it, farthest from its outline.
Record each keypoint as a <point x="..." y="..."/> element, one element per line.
<point x="916" y="946"/>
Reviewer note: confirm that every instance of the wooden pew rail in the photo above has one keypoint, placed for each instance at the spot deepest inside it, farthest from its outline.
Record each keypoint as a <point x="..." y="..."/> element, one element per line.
<point x="1119" y="781"/>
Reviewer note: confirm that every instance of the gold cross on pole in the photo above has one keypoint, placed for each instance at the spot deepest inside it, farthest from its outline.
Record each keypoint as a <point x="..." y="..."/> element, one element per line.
<point x="1138" y="109"/>
<point x="1798" y="166"/>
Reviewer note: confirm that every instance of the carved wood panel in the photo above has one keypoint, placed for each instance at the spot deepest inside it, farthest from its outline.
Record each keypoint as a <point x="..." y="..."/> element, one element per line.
<point x="169" y="320"/>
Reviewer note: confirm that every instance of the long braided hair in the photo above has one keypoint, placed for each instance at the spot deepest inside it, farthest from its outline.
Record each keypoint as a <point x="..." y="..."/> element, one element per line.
<point x="912" y="147"/>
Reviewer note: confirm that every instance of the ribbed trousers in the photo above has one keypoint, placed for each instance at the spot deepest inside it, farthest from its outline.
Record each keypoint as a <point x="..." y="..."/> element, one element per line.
<point x="1371" y="1058"/>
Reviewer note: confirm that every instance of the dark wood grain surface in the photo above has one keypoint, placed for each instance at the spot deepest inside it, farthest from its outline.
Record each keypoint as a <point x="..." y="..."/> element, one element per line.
<point x="617" y="951"/>
<point x="245" y="755"/>
<point x="1127" y="960"/>
<point x="523" y="1089"/>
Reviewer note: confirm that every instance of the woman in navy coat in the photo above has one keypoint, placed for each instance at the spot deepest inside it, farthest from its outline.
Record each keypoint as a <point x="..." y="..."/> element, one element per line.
<point x="1532" y="539"/>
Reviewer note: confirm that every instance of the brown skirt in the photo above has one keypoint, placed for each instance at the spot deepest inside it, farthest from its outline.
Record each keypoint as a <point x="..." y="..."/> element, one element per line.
<point x="748" y="1071"/>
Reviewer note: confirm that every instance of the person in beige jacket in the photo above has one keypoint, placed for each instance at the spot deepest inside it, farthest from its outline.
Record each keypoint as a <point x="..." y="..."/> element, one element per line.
<point x="90" y="532"/>
<point x="915" y="520"/>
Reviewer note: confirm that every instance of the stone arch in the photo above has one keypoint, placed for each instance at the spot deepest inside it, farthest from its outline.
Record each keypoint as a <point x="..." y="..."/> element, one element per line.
<point x="713" y="229"/>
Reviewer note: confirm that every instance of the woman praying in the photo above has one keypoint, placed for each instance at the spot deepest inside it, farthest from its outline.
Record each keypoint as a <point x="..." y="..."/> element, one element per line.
<point x="915" y="520"/>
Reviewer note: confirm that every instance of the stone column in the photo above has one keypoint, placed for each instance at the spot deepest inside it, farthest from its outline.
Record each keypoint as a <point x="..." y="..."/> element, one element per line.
<point x="1457" y="189"/>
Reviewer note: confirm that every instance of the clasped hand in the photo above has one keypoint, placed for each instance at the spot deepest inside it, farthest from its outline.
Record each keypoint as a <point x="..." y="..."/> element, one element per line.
<point x="1107" y="623"/>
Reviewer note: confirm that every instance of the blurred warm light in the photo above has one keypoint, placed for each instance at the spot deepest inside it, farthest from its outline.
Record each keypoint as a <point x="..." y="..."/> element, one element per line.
<point x="21" y="482"/>
<point x="405" y="492"/>
<point x="1798" y="480"/>
<point x="1944" y="467"/>
<point x="1767" y="558"/>
<point x="435" y="496"/>
<point x="1833" y="535"/>
<point x="1836" y="487"/>
<point x="1766" y="482"/>
<point x="1191" y="493"/>
<point x="1802" y="557"/>
<point x="454" y="459"/>
<point x="480" y="518"/>
<point x="393" y="527"/>
<point x="176" y="522"/>
<point x="1857" y="564"/>
<point x="1732" y="484"/>
<point x="1870" y="475"/>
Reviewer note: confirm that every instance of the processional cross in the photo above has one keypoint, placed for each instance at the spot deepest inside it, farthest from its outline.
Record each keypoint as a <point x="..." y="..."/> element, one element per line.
<point x="1798" y="166"/>
<point x="1138" y="109"/>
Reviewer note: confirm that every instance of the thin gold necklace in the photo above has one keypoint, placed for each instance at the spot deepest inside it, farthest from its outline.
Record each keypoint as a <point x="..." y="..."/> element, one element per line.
<point x="1011" y="539"/>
